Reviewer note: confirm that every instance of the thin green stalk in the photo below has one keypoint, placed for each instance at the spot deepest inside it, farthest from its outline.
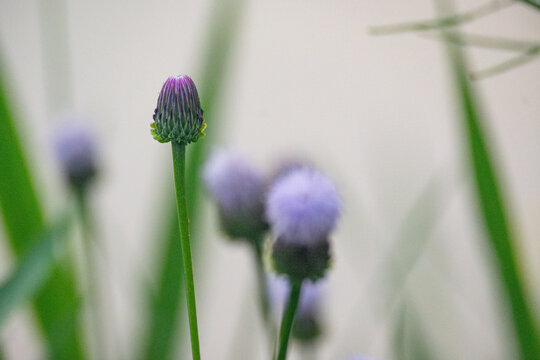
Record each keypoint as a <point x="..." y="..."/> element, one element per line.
<point x="179" y="161"/>
<point x="483" y="41"/>
<point x="533" y="3"/>
<point x="262" y="286"/>
<point x="288" y="319"/>
<point x="95" y="336"/>
<point x="525" y="57"/>
<point x="442" y="22"/>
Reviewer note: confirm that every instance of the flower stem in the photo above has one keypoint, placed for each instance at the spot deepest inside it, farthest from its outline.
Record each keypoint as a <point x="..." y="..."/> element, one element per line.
<point x="262" y="285"/>
<point x="95" y="336"/>
<point x="287" y="321"/>
<point x="261" y="281"/>
<point x="179" y="162"/>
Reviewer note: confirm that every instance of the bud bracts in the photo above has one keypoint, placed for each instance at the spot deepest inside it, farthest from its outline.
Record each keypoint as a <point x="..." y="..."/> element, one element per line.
<point x="178" y="116"/>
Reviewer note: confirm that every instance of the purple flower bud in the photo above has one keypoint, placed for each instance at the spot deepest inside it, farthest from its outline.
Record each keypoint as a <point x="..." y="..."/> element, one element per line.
<point x="239" y="191"/>
<point x="75" y="149"/>
<point x="307" y="326"/>
<point x="303" y="207"/>
<point x="178" y="116"/>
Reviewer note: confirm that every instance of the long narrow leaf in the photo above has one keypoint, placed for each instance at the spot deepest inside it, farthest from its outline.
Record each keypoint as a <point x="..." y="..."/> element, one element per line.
<point x="493" y="212"/>
<point x="56" y="302"/>
<point x="165" y="311"/>
<point x="443" y="22"/>
<point x="32" y="271"/>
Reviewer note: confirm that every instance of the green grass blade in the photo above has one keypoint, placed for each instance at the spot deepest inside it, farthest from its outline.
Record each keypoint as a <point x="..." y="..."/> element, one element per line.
<point x="165" y="306"/>
<point x="31" y="271"/>
<point x="493" y="211"/>
<point x="442" y="22"/>
<point x="527" y="56"/>
<point x="533" y="3"/>
<point x="56" y="303"/>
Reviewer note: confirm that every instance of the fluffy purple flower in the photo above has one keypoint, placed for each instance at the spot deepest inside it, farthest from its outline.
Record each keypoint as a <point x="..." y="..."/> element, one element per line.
<point x="239" y="190"/>
<point x="178" y="116"/>
<point x="75" y="149"/>
<point x="303" y="207"/>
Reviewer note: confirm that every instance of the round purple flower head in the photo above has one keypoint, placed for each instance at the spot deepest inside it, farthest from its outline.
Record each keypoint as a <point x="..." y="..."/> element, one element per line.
<point x="238" y="190"/>
<point x="75" y="149"/>
<point x="307" y="321"/>
<point x="178" y="116"/>
<point x="303" y="206"/>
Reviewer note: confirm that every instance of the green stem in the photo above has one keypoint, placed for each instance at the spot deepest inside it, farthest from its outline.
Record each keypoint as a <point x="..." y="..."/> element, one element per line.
<point x="261" y="282"/>
<point x="288" y="319"/>
<point x="262" y="285"/>
<point x="90" y="272"/>
<point x="442" y="22"/>
<point x="179" y="161"/>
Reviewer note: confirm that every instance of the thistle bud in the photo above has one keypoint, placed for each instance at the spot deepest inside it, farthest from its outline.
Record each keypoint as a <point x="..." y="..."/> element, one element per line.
<point x="302" y="208"/>
<point x="238" y="189"/>
<point x="178" y="116"/>
<point x="75" y="149"/>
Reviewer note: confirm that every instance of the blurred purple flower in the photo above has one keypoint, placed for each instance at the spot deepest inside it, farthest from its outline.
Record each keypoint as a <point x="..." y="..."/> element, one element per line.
<point x="239" y="190"/>
<point x="178" y="116"/>
<point x="360" y="357"/>
<point x="75" y="149"/>
<point x="303" y="207"/>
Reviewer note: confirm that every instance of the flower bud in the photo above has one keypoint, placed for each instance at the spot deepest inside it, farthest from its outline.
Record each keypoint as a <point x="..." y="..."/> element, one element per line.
<point x="178" y="116"/>
<point x="239" y="191"/>
<point x="75" y="150"/>
<point x="302" y="208"/>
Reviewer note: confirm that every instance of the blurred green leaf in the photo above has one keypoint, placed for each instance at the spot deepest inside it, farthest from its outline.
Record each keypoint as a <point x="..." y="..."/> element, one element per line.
<point x="527" y="56"/>
<point x="483" y="41"/>
<point x="533" y="3"/>
<point x="412" y="239"/>
<point x="165" y="311"/>
<point x="493" y="212"/>
<point x="31" y="271"/>
<point x="443" y="21"/>
<point x="410" y="340"/>
<point x="56" y="303"/>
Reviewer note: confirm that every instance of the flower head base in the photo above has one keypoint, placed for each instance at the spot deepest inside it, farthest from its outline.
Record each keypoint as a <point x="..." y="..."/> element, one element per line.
<point x="75" y="150"/>
<point x="178" y="116"/>
<point x="238" y="190"/>
<point x="300" y="261"/>
<point x="303" y="207"/>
